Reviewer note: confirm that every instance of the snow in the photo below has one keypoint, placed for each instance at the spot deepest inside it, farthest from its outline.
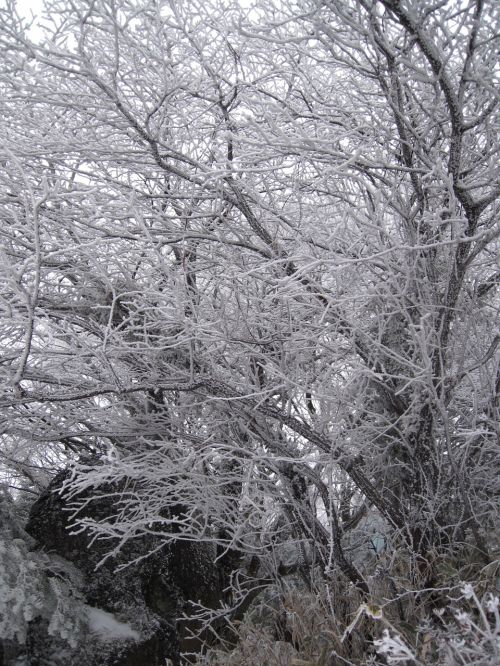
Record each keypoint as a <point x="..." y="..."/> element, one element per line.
<point x="108" y="627"/>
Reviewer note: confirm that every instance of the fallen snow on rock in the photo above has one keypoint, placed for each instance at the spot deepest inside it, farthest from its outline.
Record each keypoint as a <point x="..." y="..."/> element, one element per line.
<point x="108" y="627"/>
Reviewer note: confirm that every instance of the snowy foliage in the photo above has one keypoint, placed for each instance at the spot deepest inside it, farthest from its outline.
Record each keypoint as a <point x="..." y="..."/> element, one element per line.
<point x="21" y="589"/>
<point x="34" y="585"/>
<point x="474" y="636"/>
<point x="249" y="276"/>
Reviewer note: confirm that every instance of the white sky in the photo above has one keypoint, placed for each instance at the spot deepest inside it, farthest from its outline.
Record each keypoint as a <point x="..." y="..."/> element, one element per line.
<point x="26" y="8"/>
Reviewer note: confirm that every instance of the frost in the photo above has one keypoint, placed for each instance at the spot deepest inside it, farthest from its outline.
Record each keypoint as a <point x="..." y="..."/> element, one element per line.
<point x="21" y="589"/>
<point x="393" y="648"/>
<point x="35" y="585"/>
<point x="468" y="591"/>
<point x="492" y="604"/>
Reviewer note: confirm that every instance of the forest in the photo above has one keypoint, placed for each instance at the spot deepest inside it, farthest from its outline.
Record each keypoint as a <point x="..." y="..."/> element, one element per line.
<point x="249" y="308"/>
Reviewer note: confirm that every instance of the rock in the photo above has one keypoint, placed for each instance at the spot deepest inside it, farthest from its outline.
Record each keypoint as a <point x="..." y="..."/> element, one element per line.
<point x="43" y="649"/>
<point x="149" y="594"/>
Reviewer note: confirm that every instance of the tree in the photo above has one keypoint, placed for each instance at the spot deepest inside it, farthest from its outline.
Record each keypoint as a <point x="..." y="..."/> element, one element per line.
<point x="250" y="263"/>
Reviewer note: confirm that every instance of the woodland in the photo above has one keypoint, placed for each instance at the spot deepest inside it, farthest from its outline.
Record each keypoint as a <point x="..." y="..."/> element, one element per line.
<point x="249" y="318"/>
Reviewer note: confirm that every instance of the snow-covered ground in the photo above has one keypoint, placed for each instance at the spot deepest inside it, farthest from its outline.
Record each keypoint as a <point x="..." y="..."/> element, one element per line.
<point x="107" y="627"/>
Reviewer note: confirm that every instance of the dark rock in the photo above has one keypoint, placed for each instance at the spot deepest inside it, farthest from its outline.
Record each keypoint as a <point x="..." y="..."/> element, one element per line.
<point x="149" y="594"/>
<point x="43" y="649"/>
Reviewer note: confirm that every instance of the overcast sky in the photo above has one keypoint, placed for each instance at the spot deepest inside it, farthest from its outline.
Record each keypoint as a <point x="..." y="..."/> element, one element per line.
<point x="29" y="7"/>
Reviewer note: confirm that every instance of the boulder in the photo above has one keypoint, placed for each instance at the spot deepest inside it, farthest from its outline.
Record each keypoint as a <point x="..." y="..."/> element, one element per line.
<point x="160" y="580"/>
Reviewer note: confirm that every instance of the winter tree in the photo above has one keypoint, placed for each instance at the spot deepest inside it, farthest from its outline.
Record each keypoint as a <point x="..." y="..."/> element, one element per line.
<point x="249" y="265"/>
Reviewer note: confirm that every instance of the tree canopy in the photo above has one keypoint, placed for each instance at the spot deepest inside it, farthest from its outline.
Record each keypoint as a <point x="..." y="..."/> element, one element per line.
<point x="250" y="268"/>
